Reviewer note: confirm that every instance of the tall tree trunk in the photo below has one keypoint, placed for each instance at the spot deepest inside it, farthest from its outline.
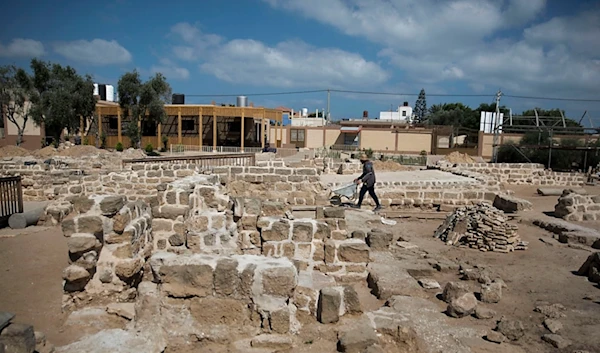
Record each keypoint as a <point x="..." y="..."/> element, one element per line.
<point x="20" y="132"/>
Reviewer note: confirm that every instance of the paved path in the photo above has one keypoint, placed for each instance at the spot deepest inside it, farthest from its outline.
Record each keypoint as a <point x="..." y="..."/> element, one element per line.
<point x="413" y="175"/>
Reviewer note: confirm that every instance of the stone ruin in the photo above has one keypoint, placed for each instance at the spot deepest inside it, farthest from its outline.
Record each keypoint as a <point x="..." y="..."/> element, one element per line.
<point x="573" y="206"/>
<point x="480" y="227"/>
<point x="193" y="258"/>
<point x="240" y="264"/>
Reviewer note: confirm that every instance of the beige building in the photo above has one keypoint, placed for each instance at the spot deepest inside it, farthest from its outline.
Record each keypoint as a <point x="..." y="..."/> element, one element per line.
<point x="32" y="136"/>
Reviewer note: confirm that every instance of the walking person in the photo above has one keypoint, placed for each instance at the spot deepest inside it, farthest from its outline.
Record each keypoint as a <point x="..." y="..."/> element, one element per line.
<point x="368" y="183"/>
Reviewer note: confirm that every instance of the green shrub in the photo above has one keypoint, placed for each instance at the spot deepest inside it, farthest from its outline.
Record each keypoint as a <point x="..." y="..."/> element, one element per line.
<point x="165" y="142"/>
<point x="423" y="153"/>
<point x="369" y="152"/>
<point x="178" y="148"/>
<point x="119" y="147"/>
<point x="86" y="141"/>
<point x="149" y="148"/>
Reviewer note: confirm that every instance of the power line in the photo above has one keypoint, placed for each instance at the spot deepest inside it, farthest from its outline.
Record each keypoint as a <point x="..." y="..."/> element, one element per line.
<point x="554" y="98"/>
<point x="390" y="94"/>
<point x="258" y="94"/>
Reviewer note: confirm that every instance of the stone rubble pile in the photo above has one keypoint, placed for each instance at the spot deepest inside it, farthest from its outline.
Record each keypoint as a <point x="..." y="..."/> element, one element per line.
<point x="480" y="227"/>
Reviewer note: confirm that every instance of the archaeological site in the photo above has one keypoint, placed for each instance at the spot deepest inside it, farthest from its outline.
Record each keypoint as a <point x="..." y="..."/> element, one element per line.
<point x="244" y="252"/>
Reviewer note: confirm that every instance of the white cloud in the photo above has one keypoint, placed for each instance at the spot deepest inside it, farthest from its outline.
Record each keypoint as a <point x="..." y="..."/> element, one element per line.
<point x="482" y="43"/>
<point x="196" y="44"/>
<point x="96" y="52"/>
<point x="22" y="48"/>
<point x="287" y="64"/>
<point x="171" y="70"/>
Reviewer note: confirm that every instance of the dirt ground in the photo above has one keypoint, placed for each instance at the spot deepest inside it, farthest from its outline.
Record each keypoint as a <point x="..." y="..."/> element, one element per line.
<point x="31" y="264"/>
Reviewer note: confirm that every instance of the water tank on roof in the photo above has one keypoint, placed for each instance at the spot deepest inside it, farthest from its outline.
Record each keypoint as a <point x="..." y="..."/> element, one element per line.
<point x="304" y="112"/>
<point x="365" y="114"/>
<point x="178" y="98"/>
<point x="110" y="93"/>
<point x="242" y="101"/>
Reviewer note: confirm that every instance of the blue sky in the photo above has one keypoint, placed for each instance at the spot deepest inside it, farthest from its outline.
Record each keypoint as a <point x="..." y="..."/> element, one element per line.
<point x="539" y="48"/>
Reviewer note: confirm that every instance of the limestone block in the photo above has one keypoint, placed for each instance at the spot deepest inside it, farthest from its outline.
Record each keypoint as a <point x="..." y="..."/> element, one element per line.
<point x="18" y="338"/>
<point x="353" y="252"/>
<point x="79" y="243"/>
<point x="328" y="307"/>
<point x="197" y="223"/>
<point x="169" y="211"/>
<point x="273" y="209"/>
<point x="387" y="280"/>
<point x="511" y="204"/>
<point x="351" y="300"/>
<point x="358" y="339"/>
<point x="462" y="305"/>
<point x="491" y="292"/>
<point x="211" y="310"/>
<point x="278" y="231"/>
<point x="379" y="240"/>
<point x="454" y="290"/>
<point x="76" y="277"/>
<point x="302" y="232"/>
<point x="279" y="281"/>
<point x="323" y="231"/>
<point x="226" y="277"/>
<point x="181" y="280"/>
<point x="279" y="320"/>
<point x="110" y="205"/>
<point x="120" y="221"/>
<point x="334" y="212"/>
<point x="126" y="269"/>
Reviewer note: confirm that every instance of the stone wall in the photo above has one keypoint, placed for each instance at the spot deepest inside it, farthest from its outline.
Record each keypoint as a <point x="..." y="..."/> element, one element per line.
<point x="321" y="244"/>
<point x="109" y="241"/>
<point x="236" y="291"/>
<point x="427" y="194"/>
<point x="518" y="174"/>
<point x="575" y="207"/>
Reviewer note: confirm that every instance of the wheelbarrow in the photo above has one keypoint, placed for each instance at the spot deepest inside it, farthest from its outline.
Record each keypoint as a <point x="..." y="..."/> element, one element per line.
<point x="349" y="192"/>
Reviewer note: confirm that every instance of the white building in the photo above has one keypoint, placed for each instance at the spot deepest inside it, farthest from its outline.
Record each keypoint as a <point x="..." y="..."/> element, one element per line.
<point x="404" y="113"/>
<point x="301" y="118"/>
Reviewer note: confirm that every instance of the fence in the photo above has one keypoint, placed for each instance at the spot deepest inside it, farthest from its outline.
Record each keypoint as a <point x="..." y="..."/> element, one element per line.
<point x="204" y="161"/>
<point x="11" y="197"/>
<point x="209" y="149"/>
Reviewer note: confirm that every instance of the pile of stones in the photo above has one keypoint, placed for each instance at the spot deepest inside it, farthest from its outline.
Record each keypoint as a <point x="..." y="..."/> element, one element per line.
<point x="480" y="227"/>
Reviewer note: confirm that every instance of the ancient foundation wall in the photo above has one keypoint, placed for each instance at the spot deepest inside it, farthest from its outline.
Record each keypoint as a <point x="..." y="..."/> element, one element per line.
<point x="518" y="174"/>
<point x="575" y="207"/>
<point x="109" y="241"/>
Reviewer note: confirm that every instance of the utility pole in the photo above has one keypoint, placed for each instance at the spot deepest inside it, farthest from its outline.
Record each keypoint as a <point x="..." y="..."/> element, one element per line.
<point x="328" y="105"/>
<point x="496" y="127"/>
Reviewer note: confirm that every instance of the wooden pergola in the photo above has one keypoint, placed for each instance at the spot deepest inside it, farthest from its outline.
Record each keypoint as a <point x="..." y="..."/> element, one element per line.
<point x="200" y="113"/>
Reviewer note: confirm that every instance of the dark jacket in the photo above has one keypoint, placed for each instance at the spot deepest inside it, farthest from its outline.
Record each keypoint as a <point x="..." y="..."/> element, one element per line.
<point x="368" y="174"/>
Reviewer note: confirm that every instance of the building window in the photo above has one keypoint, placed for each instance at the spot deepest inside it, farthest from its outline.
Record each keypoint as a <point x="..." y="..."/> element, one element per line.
<point x="297" y="135"/>
<point x="113" y="123"/>
<point x="149" y="128"/>
<point x="404" y="113"/>
<point x="188" y="125"/>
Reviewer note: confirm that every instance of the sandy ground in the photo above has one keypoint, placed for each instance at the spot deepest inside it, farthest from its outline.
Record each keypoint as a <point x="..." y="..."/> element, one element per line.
<point x="31" y="264"/>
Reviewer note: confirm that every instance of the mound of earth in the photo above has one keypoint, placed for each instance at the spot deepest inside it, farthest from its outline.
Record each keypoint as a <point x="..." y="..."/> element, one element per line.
<point x="389" y="166"/>
<point x="457" y="157"/>
<point x="13" y="151"/>
<point x="81" y="151"/>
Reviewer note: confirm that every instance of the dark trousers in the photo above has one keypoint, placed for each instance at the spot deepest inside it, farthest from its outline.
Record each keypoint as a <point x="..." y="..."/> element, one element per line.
<point x="363" y="191"/>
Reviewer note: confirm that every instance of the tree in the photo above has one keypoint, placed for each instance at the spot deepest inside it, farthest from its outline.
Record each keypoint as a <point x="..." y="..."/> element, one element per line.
<point x="421" y="107"/>
<point x="15" y="89"/>
<point x="142" y="101"/>
<point x="60" y="98"/>
<point x="455" y="114"/>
